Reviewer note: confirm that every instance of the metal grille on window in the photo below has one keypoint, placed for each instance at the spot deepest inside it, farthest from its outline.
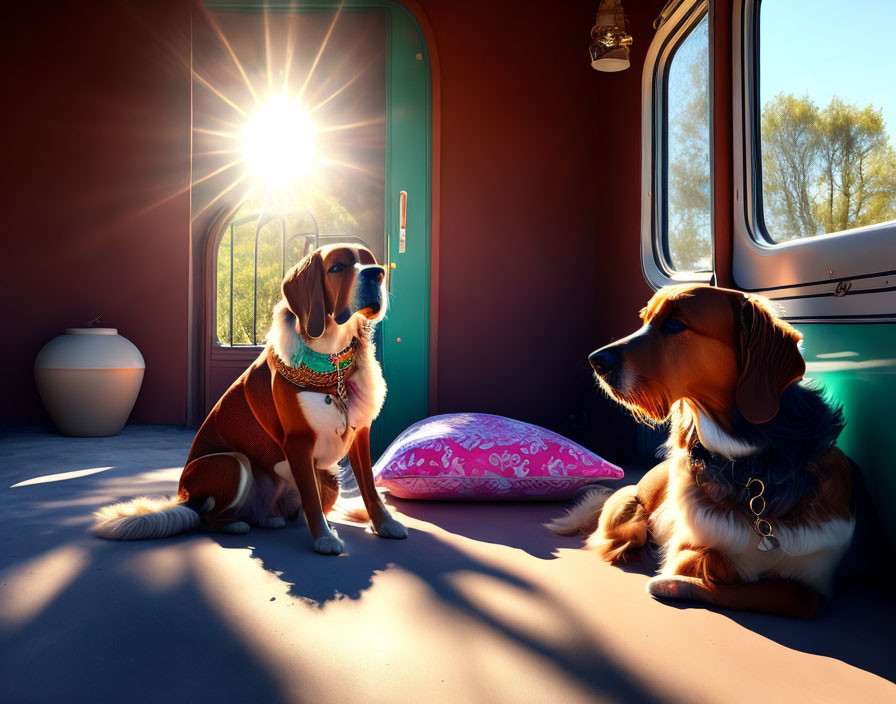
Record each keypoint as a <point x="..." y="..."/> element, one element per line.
<point x="253" y="257"/>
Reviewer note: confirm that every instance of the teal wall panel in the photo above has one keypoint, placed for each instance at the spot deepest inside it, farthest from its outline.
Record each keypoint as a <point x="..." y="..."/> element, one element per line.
<point x="856" y="364"/>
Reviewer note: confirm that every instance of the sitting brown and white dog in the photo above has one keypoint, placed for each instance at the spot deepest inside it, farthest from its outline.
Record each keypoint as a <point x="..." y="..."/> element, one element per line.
<point x="306" y="402"/>
<point x="752" y="507"/>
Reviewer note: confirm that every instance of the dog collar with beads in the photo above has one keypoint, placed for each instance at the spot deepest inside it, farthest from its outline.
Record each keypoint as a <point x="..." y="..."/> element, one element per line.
<point x="318" y="371"/>
<point x="708" y="466"/>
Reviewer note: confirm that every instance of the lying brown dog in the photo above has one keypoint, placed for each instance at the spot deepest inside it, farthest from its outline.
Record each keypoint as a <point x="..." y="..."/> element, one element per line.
<point x="751" y="508"/>
<point x="306" y="402"/>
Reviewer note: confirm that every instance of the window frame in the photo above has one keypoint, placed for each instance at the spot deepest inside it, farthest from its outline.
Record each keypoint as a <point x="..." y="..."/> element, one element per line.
<point x="849" y="275"/>
<point x="655" y="262"/>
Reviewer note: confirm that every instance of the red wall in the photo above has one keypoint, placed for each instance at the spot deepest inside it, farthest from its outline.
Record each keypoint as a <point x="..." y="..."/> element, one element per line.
<point x="96" y="135"/>
<point x="540" y="164"/>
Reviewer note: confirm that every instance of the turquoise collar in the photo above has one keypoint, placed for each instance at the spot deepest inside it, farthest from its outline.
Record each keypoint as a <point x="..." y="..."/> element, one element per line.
<point x="322" y="362"/>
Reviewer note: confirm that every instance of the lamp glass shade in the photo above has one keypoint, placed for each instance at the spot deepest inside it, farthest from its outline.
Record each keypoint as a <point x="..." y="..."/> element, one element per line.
<point x="610" y="59"/>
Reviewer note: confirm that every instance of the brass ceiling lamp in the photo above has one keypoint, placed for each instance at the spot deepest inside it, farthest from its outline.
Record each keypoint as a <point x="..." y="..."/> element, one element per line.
<point x="610" y="38"/>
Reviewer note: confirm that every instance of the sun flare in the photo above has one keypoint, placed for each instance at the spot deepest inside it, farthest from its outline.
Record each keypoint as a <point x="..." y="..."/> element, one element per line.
<point x="279" y="143"/>
<point x="276" y="127"/>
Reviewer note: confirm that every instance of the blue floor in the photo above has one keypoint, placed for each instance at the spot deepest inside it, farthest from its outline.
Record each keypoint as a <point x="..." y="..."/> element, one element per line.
<point x="212" y="618"/>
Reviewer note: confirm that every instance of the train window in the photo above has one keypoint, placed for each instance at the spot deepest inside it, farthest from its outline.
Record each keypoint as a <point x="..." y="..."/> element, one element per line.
<point x="827" y="126"/>
<point x="677" y="213"/>
<point x="815" y="157"/>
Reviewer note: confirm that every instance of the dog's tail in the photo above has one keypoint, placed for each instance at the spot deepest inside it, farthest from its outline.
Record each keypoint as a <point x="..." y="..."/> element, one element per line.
<point x="350" y="509"/>
<point x="145" y="518"/>
<point x="350" y="512"/>
<point x="582" y="518"/>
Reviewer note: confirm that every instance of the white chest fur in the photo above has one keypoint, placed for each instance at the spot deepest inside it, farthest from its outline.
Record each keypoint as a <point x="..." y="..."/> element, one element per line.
<point x="334" y="429"/>
<point x="808" y="553"/>
<point x="329" y="424"/>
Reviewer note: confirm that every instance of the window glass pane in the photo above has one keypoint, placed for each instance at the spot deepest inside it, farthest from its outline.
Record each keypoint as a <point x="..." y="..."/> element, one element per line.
<point x="828" y="115"/>
<point x="243" y="280"/>
<point x="223" y="322"/>
<point x="270" y="274"/>
<point x="688" y="197"/>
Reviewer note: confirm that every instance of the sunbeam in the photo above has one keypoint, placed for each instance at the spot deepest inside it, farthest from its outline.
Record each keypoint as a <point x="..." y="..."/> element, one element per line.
<point x="216" y="133"/>
<point x="353" y="125"/>
<point x="219" y="94"/>
<point x="320" y="51"/>
<point x="336" y="93"/>
<point x="290" y="49"/>
<point x="222" y="169"/>
<point x="208" y="18"/>
<point x="354" y="167"/>
<point x="217" y="152"/>
<point x="61" y="476"/>
<point x="32" y="585"/>
<point x="267" y="53"/>
<point x="223" y="193"/>
<point x="227" y="123"/>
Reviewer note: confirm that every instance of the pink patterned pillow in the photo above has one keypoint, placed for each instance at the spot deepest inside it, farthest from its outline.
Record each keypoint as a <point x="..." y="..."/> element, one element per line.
<point x="476" y="456"/>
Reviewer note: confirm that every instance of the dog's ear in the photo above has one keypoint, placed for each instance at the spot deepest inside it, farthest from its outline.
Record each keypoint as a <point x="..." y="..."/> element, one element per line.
<point x="769" y="360"/>
<point x="304" y="292"/>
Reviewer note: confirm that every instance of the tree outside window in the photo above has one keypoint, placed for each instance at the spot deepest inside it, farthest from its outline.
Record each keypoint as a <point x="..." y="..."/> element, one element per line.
<point x="825" y="169"/>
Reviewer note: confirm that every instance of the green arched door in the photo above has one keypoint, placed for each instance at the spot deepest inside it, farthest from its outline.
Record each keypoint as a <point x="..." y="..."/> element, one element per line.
<point x="362" y="68"/>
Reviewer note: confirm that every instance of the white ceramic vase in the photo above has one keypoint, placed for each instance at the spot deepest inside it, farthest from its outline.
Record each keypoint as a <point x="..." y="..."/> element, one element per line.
<point x="89" y="379"/>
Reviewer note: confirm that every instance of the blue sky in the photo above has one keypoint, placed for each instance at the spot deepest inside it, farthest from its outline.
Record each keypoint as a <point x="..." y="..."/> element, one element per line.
<point x="823" y="48"/>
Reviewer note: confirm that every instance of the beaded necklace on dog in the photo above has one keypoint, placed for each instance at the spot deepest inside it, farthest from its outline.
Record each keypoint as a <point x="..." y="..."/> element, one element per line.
<point x="318" y="371"/>
<point x="710" y="463"/>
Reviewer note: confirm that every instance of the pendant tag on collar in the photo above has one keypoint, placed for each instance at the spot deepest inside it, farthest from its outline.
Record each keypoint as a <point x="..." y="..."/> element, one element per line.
<point x="768" y="543"/>
<point x="757" y="505"/>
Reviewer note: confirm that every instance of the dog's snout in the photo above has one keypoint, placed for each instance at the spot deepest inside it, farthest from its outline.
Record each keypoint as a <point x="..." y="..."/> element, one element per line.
<point x="605" y="360"/>
<point x="369" y="293"/>
<point x="373" y="273"/>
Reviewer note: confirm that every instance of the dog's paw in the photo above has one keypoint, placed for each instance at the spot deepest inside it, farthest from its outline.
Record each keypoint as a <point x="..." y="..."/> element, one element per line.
<point x="235" y="528"/>
<point x="273" y="522"/>
<point x="676" y="589"/>
<point x="329" y="545"/>
<point x="390" y="528"/>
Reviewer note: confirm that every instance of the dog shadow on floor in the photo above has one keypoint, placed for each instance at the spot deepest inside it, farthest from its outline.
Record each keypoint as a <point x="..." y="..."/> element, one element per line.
<point x="167" y="604"/>
<point x="515" y="524"/>
<point x="855" y="627"/>
<point x="322" y="580"/>
<point x="158" y="604"/>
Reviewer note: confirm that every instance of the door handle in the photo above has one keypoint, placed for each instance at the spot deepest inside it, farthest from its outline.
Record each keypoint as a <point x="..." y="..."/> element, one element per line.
<point x="402" y="221"/>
